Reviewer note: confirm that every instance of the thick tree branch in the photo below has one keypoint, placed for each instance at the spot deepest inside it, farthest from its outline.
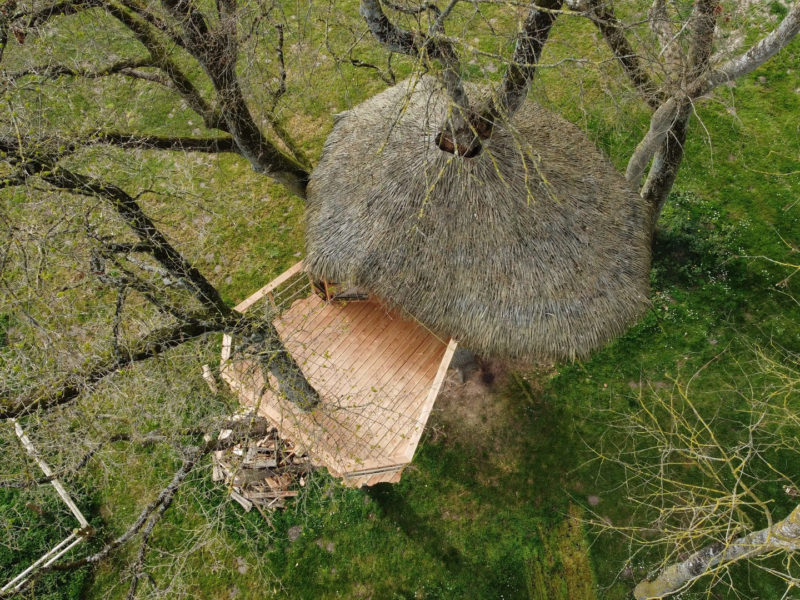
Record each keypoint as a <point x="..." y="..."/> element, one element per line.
<point x="160" y="58"/>
<point x="782" y="536"/>
<point x="157" y="142"/>
<point x="55" y="71"/>
<point x="153" y="20"/>
<point x="458" y="135"/>
<point x="144" y="228"/>
<point x="519" y="74"/>
<point x="669" y="155"/>
<point x="701" y="25"/>
<point x="69" y="388"/>
<point x="666" y="161"/>
<point x="662" y="27"/>
<point x="41" y="16"/>
<point x="660" y="124"/>
<point x="216" y="51"/>
<point x="217" y="316"/>
<point x="756" y="56"/>
<point x="601" y="12"/>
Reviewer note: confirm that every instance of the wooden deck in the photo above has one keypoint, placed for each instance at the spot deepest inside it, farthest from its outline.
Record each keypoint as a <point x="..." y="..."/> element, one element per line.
<point x="378" y="375"/>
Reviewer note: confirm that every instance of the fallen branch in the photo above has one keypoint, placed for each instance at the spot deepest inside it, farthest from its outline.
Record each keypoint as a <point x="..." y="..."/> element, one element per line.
<point x="782" y="536"/>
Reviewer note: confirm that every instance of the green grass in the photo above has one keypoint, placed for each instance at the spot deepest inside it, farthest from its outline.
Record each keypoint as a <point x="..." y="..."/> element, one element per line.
<point x="484" y="511"/>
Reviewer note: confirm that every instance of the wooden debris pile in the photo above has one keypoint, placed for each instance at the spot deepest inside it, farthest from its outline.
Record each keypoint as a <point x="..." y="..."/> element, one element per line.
<point x="263" y="471"/>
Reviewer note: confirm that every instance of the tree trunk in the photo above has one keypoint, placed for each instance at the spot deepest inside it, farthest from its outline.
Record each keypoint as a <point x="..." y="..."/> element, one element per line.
<point x="666" y="162"/>
<point x="784" y="535"/>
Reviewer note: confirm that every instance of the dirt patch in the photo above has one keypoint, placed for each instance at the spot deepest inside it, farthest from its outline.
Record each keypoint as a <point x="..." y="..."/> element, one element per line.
<point x="477" y="412"/>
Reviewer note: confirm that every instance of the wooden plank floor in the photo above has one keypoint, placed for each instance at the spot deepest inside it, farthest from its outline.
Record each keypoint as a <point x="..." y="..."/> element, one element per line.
<point x="374" y="371"/>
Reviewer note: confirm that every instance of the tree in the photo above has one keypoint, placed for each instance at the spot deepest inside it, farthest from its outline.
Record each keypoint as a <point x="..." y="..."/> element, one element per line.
<point x="702" y="486"/>
<point x="85" y="83"/>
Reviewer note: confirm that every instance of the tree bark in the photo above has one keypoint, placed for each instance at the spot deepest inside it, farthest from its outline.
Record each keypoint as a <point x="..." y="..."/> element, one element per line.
<point x="519" y="74"/>
<point x="664" y="141"/>
<point x="666" y="162"/>
<point x="782" y="536"/>
<point x="458" y="135"/>
<point x="601" y="12"/>
<point x="216" y="315"/>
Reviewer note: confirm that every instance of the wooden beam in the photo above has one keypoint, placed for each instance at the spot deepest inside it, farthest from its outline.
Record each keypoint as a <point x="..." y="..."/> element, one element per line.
<point x="282" y="278"/>
<point x="429" y="401"/>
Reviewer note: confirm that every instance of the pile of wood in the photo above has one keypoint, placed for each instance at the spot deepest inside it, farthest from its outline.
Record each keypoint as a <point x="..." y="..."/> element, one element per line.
<point x="262" y="472"/>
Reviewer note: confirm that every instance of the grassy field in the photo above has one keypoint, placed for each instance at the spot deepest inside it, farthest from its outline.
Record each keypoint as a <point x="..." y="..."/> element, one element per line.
<point x="498" y="499"/>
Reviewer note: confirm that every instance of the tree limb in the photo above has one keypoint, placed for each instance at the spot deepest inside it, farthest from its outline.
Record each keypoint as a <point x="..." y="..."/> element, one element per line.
<point x="756" y="56"/>
<point x="660" y="125"/>
<point x="782" y="536"/>
<point x="519" y="74"/>
<point x="55" y="71"/>
<point x="153" y="20"/>
<point x="216" y="51"/>
<point x="458" y="135"/>
<point x="601" y="13"/>
<point x="662" y="27"/>
<point x="157" y="142"/>
<point x="155" y="510"/>
<point x="666" y="161"/>
<point x="159" y="54"/>
<point x="216" y="317"/>
<point x="669" y="155"/>
<point x="69" y="388"/>
<point x="67" y="7"/>
<point x="144" y="228"/>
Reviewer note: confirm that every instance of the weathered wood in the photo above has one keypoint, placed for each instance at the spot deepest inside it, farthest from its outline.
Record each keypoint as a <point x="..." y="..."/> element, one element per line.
<point x="210" y="379"/>
<point x="244" y="502"/>
<point x="48" y="473"/>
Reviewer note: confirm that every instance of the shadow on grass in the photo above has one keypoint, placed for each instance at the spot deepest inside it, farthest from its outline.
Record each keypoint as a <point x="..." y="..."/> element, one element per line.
<point x="425" y="532"/>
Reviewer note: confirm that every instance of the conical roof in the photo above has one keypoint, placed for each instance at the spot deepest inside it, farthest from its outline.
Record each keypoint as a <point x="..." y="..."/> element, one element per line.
<point x="536" y="248"/>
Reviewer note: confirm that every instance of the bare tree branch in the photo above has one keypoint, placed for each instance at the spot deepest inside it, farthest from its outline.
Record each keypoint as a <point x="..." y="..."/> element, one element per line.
<point x="217" y="316"/>
<point x="160" y="58"/>
<point x="156" y="142"/>
<point x="519" y="73"/>
<point x="661" y="25"/>
<point x="67" y="7"/>
<point x="757" y="55"/>
<point x="69" y="388"/>
<point x="216" y="51"/>
<point x="458" y="135"/>
<point x="667" y="160"/>
<point x="153" y="20"/>
<point x="55" y="71"/>
<point x="783" y="535"/>
<point x="153" y="511"/>
<point x="144" y="228"/>
<point x="601" y="12"/>
<point x="668" y="157"/>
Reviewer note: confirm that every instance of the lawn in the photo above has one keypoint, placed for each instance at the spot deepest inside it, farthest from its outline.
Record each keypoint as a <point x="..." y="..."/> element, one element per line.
<point x="501" y="496"/>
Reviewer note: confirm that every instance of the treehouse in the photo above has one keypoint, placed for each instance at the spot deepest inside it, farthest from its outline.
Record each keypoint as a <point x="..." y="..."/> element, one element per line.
<point x="536" y="248"/>
<point x="377" y="373"/>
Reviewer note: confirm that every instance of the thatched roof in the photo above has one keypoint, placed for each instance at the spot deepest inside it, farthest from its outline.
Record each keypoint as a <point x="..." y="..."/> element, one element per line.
<point x="536" y="248"/>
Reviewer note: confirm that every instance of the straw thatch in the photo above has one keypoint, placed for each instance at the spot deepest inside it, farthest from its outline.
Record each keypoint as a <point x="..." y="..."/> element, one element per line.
<point x="536" y="248"/>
